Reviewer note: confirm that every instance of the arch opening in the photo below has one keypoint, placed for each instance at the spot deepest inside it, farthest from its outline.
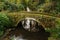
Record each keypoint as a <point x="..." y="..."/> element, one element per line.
<point x="31" y="25"/>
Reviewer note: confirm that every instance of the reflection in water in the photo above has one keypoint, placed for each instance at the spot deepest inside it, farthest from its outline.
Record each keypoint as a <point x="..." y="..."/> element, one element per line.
<point x="21" y="34"/>
<point x="17" y="38"/>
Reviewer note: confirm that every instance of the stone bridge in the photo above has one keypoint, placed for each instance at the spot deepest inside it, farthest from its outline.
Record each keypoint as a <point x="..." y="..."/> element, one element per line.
<point x="42" y="18"/>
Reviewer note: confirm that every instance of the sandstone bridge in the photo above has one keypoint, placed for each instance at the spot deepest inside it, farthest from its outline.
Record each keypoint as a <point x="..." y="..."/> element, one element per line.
<point x="45" y="19"/>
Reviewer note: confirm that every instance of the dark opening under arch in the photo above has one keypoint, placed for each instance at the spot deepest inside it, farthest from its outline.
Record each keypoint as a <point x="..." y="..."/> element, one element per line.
<point x="33" y="25"/>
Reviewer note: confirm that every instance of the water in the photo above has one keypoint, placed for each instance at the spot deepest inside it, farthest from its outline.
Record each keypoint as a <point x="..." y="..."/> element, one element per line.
<point x="25" y="35"/>
<point x="21" y="34"/>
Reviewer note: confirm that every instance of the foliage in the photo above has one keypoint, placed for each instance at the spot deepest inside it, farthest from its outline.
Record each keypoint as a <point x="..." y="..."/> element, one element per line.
<point x="11" y="6"/>
<point x="1" y="6"/>
<point x="4" y="22"/>
<point x="21" y="7"/>
<point x="58" y="6"/>
<point x="2" y="0"/>
<point x="50" y="6"/>
<point x="55" y="31"/>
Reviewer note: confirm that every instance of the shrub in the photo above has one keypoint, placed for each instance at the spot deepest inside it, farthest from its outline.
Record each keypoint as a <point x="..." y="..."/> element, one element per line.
<point x="55" y="32"/>
<point x="4" y="22"/>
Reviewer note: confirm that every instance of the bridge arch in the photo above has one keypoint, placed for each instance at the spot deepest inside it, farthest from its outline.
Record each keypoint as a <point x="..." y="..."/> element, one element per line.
<point x="39" y="22"/>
